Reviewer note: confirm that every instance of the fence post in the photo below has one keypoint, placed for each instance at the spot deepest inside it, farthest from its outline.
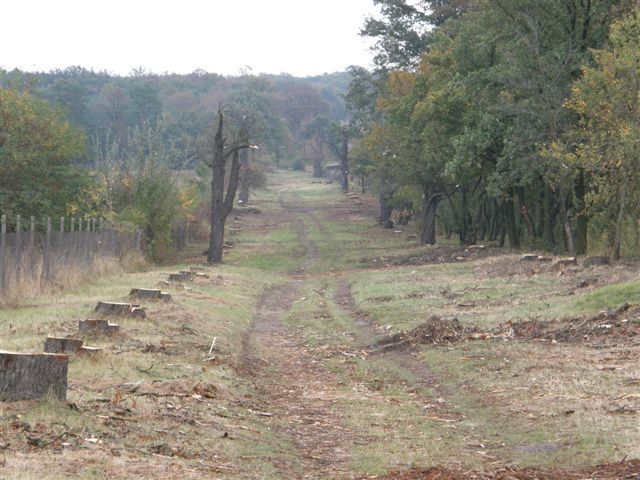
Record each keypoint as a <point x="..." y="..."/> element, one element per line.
<point x="18" y="232"/>
<point x="47" y="250"/>
<point x="73" y="221"/>
<point x="138" y="239"/>
<point x="61" y="225"/>
<point x="3" y="244"/>
<point x="31" y="254"/>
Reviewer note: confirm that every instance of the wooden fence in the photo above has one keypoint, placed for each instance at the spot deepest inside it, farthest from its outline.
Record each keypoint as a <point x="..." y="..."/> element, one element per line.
<point x="38" y="253"/>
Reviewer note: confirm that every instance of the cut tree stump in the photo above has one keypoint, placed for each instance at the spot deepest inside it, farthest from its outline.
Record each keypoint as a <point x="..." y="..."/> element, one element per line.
<point x="86" y="350"/>
<point x="68" y="345"/>
<point x="595" y="261"/>
<point x="534" y="258"/>
<point x="121" y="309"/>
<point x="566" y="262"/>
<point x="153" y="294"/>
<point x="101" y="326"/>
<point x="26" y="376"/>
<point x="180" y="277"/>
<point x="62" y="345"/>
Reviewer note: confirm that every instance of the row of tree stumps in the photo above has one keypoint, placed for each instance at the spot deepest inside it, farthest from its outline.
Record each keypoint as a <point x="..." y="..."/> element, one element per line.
<point x="27" y="376"/>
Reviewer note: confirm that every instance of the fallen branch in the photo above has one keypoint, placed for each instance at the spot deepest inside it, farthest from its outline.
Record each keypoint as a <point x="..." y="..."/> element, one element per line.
<point x="213" y="344"/>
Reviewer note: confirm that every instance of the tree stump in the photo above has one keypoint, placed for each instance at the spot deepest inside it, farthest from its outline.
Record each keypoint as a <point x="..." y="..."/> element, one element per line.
<point x="120" y="309"/>
<point x="566" y="262"/>
<point x="179" y="277"/>
<point x="595" y="261"/>
<point x="26" y="376"/>
<point x="153" y="294"/>
<point x="86" y="350"/>
<point x="101" y="326"/>
<point x="197" y="269"/>
<point x="62" y="345"/>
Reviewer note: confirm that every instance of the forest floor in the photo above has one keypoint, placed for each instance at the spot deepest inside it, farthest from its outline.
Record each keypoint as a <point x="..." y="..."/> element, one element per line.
<point x="345" y="351"/>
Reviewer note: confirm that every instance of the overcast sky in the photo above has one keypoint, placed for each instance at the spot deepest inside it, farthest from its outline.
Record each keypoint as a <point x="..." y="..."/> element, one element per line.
<point x="300" y="37"/>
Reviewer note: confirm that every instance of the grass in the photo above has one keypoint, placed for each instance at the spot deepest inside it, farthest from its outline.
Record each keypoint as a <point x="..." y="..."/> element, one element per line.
<point x="481" y="403"/>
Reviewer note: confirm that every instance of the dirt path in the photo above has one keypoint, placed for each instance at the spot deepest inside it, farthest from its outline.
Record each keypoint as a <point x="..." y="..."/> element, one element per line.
<point x="299" y="393"/>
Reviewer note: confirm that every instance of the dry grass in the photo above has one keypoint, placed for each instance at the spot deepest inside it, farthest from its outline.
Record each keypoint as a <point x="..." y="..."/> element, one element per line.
<point x="26" y="287"/>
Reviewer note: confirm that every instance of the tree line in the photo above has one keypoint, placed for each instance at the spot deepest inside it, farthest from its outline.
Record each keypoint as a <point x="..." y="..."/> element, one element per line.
<point x="504" y="120"/>
<point x="140" y="149"/>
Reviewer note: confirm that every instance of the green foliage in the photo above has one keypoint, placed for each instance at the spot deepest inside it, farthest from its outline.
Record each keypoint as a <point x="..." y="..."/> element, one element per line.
<point x="37" y="149"/>
<point x="297" y="164"/>
<point x="144" y="192"/>
<point x="468" y="123"/>
<point x="606" y="138"/>
<point x="107" y="107"/>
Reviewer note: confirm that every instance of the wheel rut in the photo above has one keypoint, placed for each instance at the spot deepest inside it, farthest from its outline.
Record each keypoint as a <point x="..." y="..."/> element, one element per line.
<point x="299" y="395"/>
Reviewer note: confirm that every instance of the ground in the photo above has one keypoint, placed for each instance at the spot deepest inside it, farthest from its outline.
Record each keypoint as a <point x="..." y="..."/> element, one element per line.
<point x="326" y="347"/>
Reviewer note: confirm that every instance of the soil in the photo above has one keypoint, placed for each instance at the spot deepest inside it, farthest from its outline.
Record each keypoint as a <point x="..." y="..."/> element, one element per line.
<point x="295" y="395"/>
<point x="432" y="255"/>
<point x="435" y="331"/>
<point x="619" y="326"/>
<point x="613" y="471"/>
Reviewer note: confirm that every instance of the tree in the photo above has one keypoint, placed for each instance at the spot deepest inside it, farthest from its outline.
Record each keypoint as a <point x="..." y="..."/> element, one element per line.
<point x="221" y="200"/>
<point x="143" y="188"/>
<point x="317" y="132"/>
<point x="37" y="149"/>
<point x="403" y="34"/>
<point x="607" y="136"/>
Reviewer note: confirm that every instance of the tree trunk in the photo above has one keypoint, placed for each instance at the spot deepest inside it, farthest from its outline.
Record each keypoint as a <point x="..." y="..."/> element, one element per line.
<point x="385" y="212"/>
<point x="547" y="228"/>
<point x="582" y="224"/>
<point x="344" y="162"/>
<point x="245" y="172"/>
<point x="317" y="168"/>
<point x="221" y="204"/>
<point x="565" y="223"/>
<point x="510" y="223"/>
<point x="617" y="239"/>
<point x="429" y="209"/>
<point x="27" y="376"/>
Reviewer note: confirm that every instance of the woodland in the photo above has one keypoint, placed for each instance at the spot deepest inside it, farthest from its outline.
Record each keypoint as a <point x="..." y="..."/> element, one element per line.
<point x="424" y="268"/>
<point x="513" y="121"/>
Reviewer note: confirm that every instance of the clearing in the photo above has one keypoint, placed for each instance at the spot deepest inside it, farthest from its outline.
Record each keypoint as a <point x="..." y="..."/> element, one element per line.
<point x="341" y="351"/>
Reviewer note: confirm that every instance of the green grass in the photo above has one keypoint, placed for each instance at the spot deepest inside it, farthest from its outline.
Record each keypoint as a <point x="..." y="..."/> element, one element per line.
<point x="482" y="403"/>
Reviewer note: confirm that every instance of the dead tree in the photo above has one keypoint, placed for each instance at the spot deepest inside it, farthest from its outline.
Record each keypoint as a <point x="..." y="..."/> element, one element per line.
<point x="245" y="174"/>
<point x="221" y="198"/>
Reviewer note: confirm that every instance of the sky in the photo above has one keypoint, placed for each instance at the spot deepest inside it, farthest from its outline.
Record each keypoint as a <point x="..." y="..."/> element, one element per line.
<point x="299" y="37"/>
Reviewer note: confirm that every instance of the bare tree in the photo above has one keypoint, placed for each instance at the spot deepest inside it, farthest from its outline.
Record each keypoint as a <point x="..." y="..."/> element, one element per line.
<point x="245" y="176"/>
<point x="221" y="198"/>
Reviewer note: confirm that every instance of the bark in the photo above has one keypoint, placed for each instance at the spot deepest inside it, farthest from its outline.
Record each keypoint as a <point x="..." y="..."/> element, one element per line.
<point x="317" y="146"/>
<point x="510" y="223"/>
<point x="617" y="239"/>
<point x="344" y="162"/>
<point x="221" y="204"/>
<point x="29" y="376"/>
<point x="531" y="231"/>
<point x="318" y="171"/>
<point x="429" y="209"/>
<point x="547" y="228"/>
<point x="566" y="224"/>
<point x="245" y="172"/>
<point x="385" y="212"/>
<point x="582" y="224"/>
